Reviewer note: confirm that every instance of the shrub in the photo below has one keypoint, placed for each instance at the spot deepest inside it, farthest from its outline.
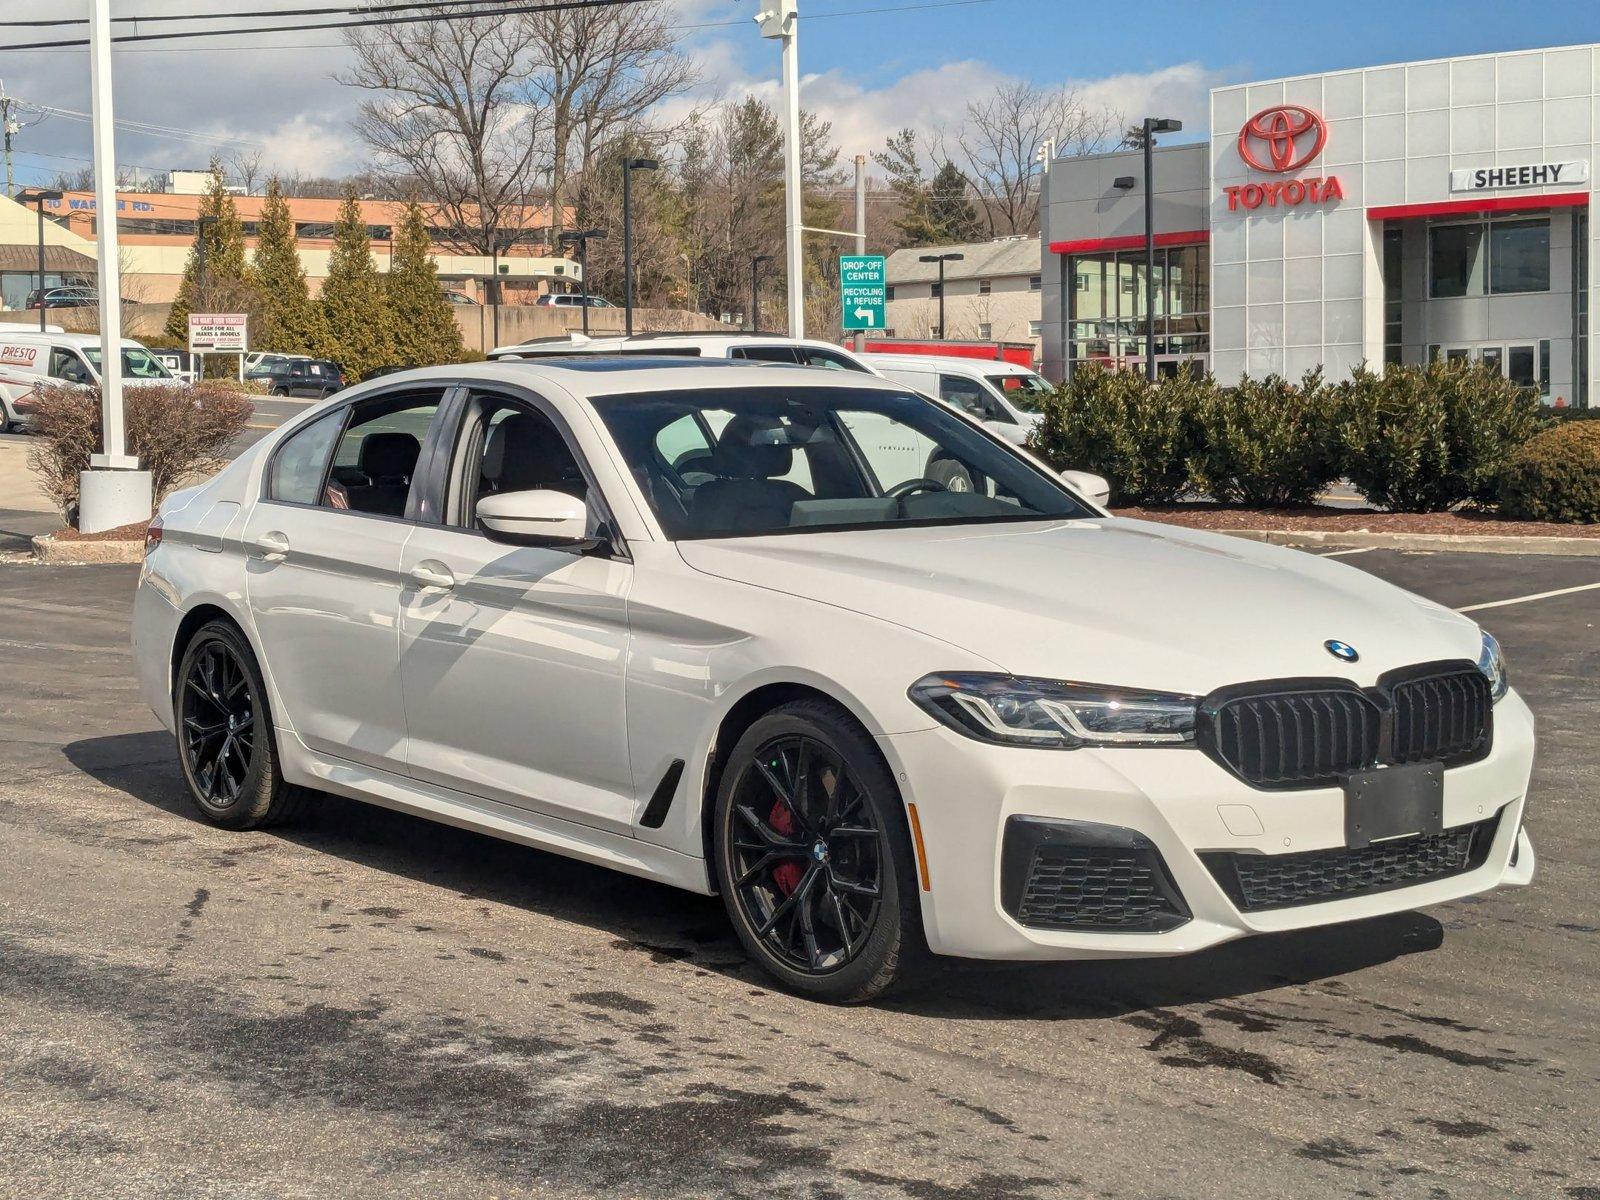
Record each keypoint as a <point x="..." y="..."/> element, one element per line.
<point x="1267" y="443"/>
<point x="1115" y="423"/>
<point x="1555" y="475"/>
<point x="1427" y="439"/>
<point x="240" y="387"/>
<point x="175" y="432"/>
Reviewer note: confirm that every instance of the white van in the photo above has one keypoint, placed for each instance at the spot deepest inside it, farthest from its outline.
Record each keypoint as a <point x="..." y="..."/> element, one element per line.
<point x="1008" y="399"/>
<point x="31" y="360"/>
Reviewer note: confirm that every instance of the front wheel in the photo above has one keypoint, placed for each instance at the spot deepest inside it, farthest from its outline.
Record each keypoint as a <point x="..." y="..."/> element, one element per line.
<point x="814" y="859"/>
<point x="225" y="742"/>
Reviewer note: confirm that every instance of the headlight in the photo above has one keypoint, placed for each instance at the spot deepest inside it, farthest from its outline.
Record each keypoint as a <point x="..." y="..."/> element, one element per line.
<point x="1052" y="715"/>
<point x="1493" y="665"/>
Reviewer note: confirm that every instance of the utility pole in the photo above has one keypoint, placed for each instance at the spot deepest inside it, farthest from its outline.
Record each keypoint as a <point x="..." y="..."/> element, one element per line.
<point x="861" y="227"/>
<point x="113" y="492"/>
<point x="781" y="19"/>
<point x="11" y="127"/>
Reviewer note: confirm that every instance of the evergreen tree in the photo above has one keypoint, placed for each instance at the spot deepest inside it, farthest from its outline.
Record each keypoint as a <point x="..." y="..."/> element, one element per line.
<point x="354" y="306"/>
<point x="425" y="330"/>
<point x="900" y="162"/>
<point x="292" y="322"/>
<point x="229" y="284"/>
<point x="950" y="210"/>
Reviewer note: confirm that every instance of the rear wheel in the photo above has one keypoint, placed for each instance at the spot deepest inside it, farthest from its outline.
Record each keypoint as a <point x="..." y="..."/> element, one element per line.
<point x="224" y="729"/>
<point x="813" y="857"/>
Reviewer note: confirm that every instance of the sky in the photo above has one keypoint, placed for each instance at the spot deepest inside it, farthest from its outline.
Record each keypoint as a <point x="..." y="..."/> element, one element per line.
<point x="868" y="66"/>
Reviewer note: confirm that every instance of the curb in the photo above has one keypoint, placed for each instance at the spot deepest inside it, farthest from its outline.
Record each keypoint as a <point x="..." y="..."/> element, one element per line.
<point x="1466" y="543"/>
<point x="48" y="550"/>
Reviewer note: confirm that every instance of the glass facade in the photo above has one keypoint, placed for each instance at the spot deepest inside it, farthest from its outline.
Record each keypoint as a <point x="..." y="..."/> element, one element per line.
<point x="1489" y="258"/>
<point x="1106" y="307"/>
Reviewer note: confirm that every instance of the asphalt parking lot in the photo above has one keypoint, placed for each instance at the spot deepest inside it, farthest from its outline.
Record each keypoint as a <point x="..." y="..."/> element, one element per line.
<point x="368" y="1005"/>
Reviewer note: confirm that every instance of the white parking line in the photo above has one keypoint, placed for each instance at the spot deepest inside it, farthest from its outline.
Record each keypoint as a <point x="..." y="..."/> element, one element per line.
<point x="1582" y="587"/>
<point x="1347" y="553"/>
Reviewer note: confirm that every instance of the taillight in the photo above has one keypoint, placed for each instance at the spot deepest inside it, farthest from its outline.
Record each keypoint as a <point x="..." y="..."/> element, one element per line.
<point x="152" y="535"/>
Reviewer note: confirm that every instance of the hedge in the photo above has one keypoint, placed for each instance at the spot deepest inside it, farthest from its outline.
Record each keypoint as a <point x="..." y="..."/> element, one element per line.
<point x="1555" y="476"/>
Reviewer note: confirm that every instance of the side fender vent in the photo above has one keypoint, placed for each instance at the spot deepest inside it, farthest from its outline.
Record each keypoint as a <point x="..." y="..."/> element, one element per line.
<point x="661" y="800"/>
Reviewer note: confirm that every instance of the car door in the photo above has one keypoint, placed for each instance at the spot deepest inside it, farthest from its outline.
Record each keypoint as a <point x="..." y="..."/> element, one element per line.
<point x="513" y="655"/>
<point x="323" y="573"/>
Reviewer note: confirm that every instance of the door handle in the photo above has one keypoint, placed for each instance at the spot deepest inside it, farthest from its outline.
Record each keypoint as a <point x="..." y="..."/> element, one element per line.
<point x="273" y="546"/>
<point x="430" y="573"/>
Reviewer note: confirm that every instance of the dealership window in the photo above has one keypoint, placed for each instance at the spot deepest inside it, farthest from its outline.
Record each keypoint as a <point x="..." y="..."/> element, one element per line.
<point x="1580" y="307"/>
<point x="1489" y="258"/>
<point x="1106" y="322"/>
<point x="1392" y="307"/>
<point x="985" y="286"/>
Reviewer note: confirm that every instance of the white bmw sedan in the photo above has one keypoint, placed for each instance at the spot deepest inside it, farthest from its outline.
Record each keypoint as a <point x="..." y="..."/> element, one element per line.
<point x="720" y="626"/>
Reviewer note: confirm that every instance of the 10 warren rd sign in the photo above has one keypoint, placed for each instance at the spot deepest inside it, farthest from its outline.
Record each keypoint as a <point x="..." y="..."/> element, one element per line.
<point x="862" y="291"/>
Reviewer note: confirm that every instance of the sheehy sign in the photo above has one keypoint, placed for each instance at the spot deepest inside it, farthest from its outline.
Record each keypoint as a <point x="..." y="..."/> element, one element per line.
<point x="1528" y="175"/>
<point x="1279" y="140"/>
<point x="219" y="333"/>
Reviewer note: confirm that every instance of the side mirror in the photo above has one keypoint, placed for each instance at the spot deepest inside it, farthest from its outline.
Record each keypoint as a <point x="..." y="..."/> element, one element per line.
<point x="1092" y="486"/>
<point x="536" y="518"/>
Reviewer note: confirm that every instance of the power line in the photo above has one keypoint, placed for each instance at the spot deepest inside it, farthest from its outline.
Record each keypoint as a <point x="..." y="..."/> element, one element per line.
<point x="352" y="9"/>
<point x="511" y="10"/>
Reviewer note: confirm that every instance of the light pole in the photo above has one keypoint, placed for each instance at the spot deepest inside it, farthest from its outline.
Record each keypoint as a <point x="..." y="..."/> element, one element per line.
<point x="580" y="238"/>
<point x="39" y="196"/>
<point x="755" y="290"/>
<point x="1152" y="126"/>
<point x="629" y="166"/>
<point x="780" y="20"/>
<point x="941" y="259"/>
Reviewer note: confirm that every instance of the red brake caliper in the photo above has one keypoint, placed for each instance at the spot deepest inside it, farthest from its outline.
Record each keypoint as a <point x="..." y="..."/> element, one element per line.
<point x="787" y="875"/>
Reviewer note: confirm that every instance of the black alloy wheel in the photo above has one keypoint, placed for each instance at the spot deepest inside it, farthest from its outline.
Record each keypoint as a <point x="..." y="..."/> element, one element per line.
<point x="808" y="855"/>
<point x="225" y="738"/>
<point x="814" y="857"/>
<point x="217" y="711"/>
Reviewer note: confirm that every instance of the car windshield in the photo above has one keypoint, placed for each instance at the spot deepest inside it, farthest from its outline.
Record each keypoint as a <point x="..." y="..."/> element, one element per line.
<point x="137" y="363"/>
<point x="775" y="460"/>
<point x="1026" y="392"/>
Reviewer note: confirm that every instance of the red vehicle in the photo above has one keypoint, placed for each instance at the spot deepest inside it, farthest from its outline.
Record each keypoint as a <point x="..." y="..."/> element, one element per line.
<point x="1019" y="353"/>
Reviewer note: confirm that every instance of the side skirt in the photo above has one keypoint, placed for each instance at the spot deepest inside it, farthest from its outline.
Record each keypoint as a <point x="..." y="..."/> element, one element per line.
<point x="542" y="832"/>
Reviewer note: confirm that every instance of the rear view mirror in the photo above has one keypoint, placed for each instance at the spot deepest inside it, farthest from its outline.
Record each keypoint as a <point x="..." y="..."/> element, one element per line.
<point x="1092" y="487"/>
<point x="536" y="518"/>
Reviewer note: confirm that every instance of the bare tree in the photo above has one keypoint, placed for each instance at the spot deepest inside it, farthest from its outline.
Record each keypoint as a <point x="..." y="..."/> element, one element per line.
<point x="449" y="119"/>
<point x="603" y="70"/>
<point x="245" y="167"/>
<point x="1000" y="141"/>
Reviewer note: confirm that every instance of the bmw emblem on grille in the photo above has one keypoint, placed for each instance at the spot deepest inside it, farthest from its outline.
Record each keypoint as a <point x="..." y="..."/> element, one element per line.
<point x="1343" y="651"/>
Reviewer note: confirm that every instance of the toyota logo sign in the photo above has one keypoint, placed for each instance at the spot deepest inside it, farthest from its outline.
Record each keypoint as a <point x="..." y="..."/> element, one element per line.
<point x="1283" y="138"/>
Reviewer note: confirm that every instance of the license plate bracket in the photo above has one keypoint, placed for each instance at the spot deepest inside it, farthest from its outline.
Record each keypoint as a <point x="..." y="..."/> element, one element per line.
<point x="1391" y="802"/>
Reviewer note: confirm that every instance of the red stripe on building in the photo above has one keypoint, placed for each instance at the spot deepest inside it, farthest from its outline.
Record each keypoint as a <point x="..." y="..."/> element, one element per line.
<point x="1188" y="237"/>
<point x="1482" y="204"/>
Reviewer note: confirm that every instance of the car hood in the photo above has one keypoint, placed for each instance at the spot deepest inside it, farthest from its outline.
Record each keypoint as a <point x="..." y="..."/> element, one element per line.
<point x="1110" y="601"/>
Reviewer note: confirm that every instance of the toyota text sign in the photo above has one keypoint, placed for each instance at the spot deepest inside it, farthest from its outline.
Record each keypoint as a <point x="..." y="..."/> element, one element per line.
<point x="862" y="291"/>
<point x="220" y="333"/>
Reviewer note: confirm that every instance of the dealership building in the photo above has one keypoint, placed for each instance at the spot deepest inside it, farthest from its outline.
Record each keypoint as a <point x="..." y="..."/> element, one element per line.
<point x="1390" y="214"/>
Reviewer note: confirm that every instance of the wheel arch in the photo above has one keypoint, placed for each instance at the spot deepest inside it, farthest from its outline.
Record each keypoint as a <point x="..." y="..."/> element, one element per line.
<point x="201" y="612"/>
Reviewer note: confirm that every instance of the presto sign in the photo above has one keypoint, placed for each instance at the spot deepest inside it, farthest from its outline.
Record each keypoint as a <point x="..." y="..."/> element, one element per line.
<point x="1278" y="140"/>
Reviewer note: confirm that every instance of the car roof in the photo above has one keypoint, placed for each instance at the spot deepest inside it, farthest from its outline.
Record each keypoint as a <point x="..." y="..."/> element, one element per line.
<point x="78" y="341"/>
<point x="947" y="362"/>
<point x="587" y="376"/>
<point x="714" y="340"/>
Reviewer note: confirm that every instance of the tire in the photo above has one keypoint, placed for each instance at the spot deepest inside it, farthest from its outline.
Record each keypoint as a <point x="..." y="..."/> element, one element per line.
<point x="954" y="476"/>
<point x="795" y="875"/>
<point x="224" y="734"/>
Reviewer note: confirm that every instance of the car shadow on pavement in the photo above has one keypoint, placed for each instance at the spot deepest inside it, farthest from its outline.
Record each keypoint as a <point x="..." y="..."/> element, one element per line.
<point x="673" y="925"/>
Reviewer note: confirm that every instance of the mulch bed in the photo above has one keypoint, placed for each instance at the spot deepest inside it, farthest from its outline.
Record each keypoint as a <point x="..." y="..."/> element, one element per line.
<point x="1327" y="519"/>
<point x="122" y="533"/>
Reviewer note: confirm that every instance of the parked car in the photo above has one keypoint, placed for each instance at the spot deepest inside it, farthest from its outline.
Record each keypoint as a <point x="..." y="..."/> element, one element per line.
<point x="745" y="347"/>
<point x="181" y="364"/>
<point x="454" y="297"/>
<point x="315" y="378"/>
<point x="678" y="619"/>
<point x="64" y="297"/>
<point x="31" y="361"/>
<point x="571" y="300"/>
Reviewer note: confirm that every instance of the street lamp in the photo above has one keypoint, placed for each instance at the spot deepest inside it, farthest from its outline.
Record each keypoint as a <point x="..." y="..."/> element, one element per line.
<point x="39" y="196"/>
<point x="941" y="259"/>
<point x="629" y="166"/>
<point x="755" y="290"/>
<point x="1152" y="126"/>
<point x="580" y="238"/>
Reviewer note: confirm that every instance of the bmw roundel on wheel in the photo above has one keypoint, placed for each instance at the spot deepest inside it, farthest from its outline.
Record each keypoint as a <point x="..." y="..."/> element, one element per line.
<point x="729" y="627"/>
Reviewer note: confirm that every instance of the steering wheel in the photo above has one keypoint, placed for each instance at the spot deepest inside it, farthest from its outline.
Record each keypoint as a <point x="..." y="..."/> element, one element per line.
<point x="912" y="486"/>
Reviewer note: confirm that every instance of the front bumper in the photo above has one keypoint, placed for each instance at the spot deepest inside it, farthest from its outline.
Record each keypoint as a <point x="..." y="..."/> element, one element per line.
<point x="1183" y="805"/>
